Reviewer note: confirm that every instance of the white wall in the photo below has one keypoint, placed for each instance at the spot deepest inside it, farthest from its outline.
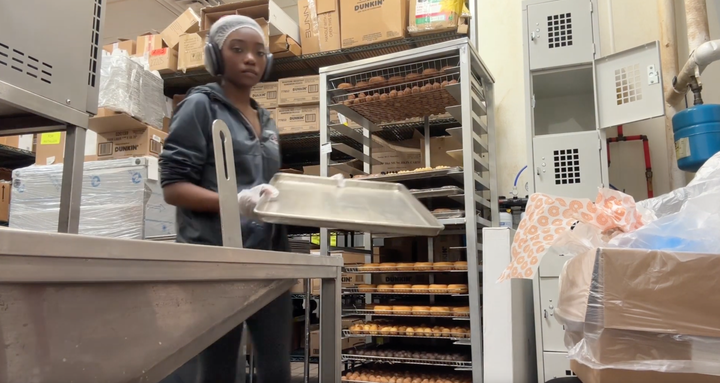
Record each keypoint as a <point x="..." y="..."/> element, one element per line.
<point x="635" y="22"/>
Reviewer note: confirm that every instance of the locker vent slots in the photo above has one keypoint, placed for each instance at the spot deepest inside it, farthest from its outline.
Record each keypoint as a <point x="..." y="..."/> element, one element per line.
<point x="567" y="166"/>
<point x="559" y="30"/>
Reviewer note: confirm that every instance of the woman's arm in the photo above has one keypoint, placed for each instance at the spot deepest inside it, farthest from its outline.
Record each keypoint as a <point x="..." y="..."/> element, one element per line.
<point x="192" y="197"/>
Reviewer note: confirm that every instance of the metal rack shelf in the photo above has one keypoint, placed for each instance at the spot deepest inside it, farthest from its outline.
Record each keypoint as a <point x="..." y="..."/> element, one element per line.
<point x="14" y="158"/>
<point x="369" y="312"/>
<point x="470" y="187"/>
<point x="423" y="362"/>
<point x="453" y="336"/>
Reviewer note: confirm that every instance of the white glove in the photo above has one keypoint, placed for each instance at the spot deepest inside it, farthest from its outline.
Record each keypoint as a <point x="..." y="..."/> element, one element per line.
<point x="249" y="198"/>
<point x="340" y="180"/>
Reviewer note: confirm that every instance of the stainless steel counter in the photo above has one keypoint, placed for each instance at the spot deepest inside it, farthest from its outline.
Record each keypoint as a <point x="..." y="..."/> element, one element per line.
<point x="87" y="309"/>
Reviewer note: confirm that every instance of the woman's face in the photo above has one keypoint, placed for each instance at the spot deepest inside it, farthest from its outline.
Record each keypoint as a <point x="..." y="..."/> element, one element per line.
<point x="245" y="58"/>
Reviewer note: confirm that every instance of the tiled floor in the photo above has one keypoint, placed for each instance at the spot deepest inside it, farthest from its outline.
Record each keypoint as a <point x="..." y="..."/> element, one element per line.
<point x="298" y="374"/>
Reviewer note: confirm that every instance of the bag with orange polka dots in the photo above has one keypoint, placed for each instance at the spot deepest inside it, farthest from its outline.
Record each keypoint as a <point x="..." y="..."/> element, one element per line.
<point x="548" y="221"/>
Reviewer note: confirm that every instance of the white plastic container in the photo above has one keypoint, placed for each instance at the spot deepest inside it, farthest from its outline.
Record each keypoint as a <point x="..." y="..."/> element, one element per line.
<point x="506" y="219"/>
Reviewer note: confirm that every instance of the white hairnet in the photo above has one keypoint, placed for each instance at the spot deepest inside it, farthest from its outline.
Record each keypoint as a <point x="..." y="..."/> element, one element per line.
<point x="229" y="24"/>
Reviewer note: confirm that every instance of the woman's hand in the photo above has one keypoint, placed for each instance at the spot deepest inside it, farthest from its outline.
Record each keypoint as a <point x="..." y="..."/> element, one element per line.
<point x="249" y="198"/>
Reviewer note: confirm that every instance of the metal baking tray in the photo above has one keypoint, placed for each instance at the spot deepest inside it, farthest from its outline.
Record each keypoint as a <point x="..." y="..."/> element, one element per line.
<point x="365" y="206"/>
<point x="445" y="191"/>
<point x="456" y="172"/>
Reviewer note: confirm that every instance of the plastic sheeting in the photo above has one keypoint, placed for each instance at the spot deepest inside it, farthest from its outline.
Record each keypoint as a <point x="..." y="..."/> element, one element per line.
<point x="126" y="86"/>
<point x="120" y="199"/>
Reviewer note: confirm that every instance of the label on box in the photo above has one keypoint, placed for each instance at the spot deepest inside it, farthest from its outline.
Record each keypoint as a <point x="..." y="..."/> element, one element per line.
<point x="429" y="11"/>
<point x="158" y="52"/>
<point x="50" y="138"/>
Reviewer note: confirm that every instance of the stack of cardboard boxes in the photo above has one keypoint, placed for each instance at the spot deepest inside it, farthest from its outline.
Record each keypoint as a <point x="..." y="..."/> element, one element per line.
<point x="298" y="105"/>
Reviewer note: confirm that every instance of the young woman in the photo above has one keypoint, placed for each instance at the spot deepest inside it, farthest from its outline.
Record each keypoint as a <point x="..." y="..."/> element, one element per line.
<point x="237" y="53"/>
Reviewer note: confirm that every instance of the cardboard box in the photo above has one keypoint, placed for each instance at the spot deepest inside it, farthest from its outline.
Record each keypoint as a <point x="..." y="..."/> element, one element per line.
<point x="146" y="141"/>
<point x="187" y="22"/>
<point x="304" y="90"/>
<point x="365" y="22"/>
<point x="345" y="344"/>
<point x="439" y="147"/>
<point x="191" y="53"/>
<point x="5" y="188"/>
<point x="147" y="43"/>
<point x="50" y="148"/>
<point x="265" y="94"/>
<point x="109" y="121"/>
<point x="122" y="44"/>
<point x="24" y="142"/>
<point x="613" y="300"/>
<point x="283" y="46"/>
<point x="164" y="60"/>
<point x="394" y="161"/>
<point x="434" y="16"/>
<point x="298" y="119"/>
<point x="279" y="22"/>
<point x="319" y="26"/>
<point x="611" y="375"/>
<point x="5" y="174"/>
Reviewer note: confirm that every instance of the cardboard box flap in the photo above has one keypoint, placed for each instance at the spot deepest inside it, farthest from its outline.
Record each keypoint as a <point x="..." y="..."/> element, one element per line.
<point x="324" y="6"/>
<point x="114" y="123"/>
<point x="656" y="291"/>
<point x="278" y="20"/>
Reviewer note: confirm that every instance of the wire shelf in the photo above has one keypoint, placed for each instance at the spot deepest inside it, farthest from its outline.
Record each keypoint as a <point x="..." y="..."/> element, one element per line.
<point x="423" y="362"/>
<point x="371" y="312"/>
<point x="355" y="290"/>
<point x="451" y="336"/>
<point x="14" y="158"/>
<point x="358" y="270"/>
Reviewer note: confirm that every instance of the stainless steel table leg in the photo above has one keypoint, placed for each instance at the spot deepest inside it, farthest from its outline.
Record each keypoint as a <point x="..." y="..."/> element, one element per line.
<point x="308" y="298"/>
<point x="69" y="218"/>
<point x="330" y="324"/>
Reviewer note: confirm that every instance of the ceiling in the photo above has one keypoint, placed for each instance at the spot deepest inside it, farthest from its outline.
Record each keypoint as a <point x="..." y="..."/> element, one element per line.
<point x="130" y="18"/>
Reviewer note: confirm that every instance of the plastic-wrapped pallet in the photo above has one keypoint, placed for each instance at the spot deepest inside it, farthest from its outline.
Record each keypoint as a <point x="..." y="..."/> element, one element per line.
<point x="120" y="199"/>
<point x="125" y="86"/>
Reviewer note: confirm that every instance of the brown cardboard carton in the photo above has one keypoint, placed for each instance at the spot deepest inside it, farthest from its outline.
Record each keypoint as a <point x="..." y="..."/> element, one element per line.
<point x="364" y="22"/>
<point x="5" y="174"/>
<point x="164" y="60"/>
<point x="5" y="188"/>
<point x="146" y="141"/>
<point x="611" y="375"/>
<point x="319" y="26"/>
<point x="434" y="16"/>
<point x="121" y="44"/>
<point x="109" y="121"/>
<point x="439" y="147"/>
<point x="50" y="149"/>
<point x="147" y="43"/>
<point x="191" y="52"/>
<point x="304" y="90"/>
<point x="265" y="94"/>
<point x="187" y="22"/>
<point x="282" y="46"/>
<point x="298" y="119"/>
<point x="394" y="161"/>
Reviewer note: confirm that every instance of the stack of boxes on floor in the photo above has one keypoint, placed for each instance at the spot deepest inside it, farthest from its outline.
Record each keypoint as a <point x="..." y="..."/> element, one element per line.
<point x="121" y="196"/>
<point x="24" y="142"/>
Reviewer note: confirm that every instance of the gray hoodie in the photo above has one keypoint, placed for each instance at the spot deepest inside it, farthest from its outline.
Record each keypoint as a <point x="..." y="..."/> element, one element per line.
<point x="188" y="156"/>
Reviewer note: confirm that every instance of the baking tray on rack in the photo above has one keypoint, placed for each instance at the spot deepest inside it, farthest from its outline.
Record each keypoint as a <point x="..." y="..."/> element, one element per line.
<point x="425" y="362"/>
<point x="445" y="191"/>
<point x="420" y="174"/>
<point x="352" y="205"/>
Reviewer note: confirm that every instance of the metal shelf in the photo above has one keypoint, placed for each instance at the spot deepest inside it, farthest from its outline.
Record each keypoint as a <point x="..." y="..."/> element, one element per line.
<point x="422" y="362"/>
<point x="14" y="158"/>
<point x="355" y="270"/>
<point x="369" y="312"/>
<point x="453" y="336"/>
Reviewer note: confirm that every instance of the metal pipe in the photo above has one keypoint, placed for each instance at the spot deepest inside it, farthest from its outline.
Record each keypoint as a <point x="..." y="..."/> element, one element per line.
<point x="698" y="35"/>
<point x="669" y="59"/>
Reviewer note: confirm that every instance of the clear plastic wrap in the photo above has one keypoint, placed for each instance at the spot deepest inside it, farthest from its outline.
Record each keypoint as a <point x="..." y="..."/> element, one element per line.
<point x="642" y="310"/>
<point x="126" y="86"/>
<point x="120" y="199"/>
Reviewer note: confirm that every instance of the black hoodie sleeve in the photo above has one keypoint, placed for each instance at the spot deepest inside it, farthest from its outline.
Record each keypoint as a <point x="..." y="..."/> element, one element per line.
<point x="186" y="147"/>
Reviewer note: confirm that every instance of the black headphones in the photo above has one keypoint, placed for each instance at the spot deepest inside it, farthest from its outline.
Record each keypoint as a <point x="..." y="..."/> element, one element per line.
<point x="215" y="66"/>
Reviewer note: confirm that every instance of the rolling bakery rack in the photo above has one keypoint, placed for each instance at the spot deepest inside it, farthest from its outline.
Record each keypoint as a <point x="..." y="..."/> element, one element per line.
<point x="447" y="86"/>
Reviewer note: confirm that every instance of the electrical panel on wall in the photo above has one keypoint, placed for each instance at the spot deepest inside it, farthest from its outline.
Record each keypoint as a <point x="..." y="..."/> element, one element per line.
<point x="629" y="86"/>
<point x="560" y="33"/>
<point x="568" y="164"/>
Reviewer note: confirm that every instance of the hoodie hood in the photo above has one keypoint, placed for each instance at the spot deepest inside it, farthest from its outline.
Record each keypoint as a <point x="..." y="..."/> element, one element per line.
<point x="215" y="92"/>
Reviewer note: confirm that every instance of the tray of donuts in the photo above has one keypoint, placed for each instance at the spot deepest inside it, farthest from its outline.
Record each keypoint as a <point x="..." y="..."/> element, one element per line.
<point x="389" y="100"/>
<point x="402" y="288"/>
<point x="441" y="311"/>
<point x="410" y="355"/>
<point x="400" y="374"/>
<point x="416" y="266"/>
<point x="407" y="329"/>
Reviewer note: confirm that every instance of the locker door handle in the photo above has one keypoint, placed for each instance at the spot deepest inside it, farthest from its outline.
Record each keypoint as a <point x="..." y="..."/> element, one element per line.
<point x="534" y="36"/>
<point x="537" y="171"/>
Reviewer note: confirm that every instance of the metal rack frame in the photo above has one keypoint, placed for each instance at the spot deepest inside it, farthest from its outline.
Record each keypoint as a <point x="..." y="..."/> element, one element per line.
<point x="474" y="94"/>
